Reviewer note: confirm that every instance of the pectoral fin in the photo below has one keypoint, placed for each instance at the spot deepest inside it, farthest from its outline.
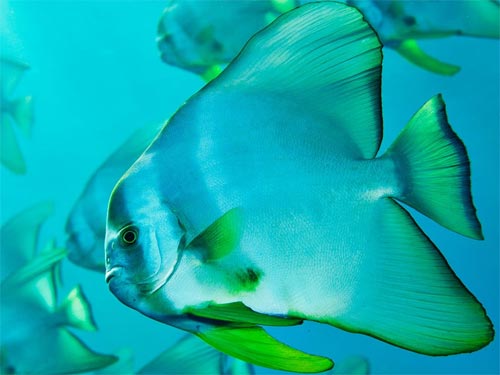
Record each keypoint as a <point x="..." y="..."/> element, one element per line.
<point x="238" y="312"/>
<point x="211" y="73"/>
<point x="411" y="51"/>
<point x="255" y="345"/>
<point x="221" y="237"/>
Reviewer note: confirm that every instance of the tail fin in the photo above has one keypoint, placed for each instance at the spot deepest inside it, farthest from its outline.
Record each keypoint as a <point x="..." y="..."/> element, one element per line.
<point x="23" y="114"/>
<point x="434" y="168"/>
<point x="76" y="310"/>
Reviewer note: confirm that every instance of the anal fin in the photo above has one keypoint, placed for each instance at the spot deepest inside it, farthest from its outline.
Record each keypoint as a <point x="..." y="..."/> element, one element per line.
<point x="256" y="346"/>
<point x="407" y="294"/>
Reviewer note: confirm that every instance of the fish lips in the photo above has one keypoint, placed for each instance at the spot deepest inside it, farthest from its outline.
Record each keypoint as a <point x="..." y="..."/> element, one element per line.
<point x="112" y="273"/>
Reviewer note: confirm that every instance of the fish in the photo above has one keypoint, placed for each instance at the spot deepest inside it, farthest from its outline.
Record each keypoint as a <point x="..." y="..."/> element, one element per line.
<point x="201" y="37"/>
<point x="264" y="201"/>
<point x="400" y="24"/>
<point x="189" y="355"/>
<point x="86" y="222"/>
<point x="19" y="110"/>
<point x="35" y="336"/>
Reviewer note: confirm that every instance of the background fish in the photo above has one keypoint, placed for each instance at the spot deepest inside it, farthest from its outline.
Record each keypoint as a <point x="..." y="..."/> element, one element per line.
<point x="189" y="356"/>
<point x="35" y="338"/>
<point x="200" y="36"/>
<point x="86" y="225"/>
<point x="262" y="203"/>
<point x="19" y="110"/>
<point x="400" y="24"/>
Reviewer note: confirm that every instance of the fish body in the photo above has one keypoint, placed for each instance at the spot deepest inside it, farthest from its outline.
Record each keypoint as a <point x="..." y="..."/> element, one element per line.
<point x="262" y="202"/>
<point x="258" y="179"/>
<point x="20" y="110"/>
<point x="200" y="36"/>
<point x="86" y="224"/>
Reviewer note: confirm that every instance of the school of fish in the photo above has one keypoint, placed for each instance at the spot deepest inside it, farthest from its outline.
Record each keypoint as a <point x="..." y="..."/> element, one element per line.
<point x="263" y="201"/>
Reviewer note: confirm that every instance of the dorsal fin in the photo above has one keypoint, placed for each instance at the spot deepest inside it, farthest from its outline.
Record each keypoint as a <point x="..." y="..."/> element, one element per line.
<point x="327" y="59"/>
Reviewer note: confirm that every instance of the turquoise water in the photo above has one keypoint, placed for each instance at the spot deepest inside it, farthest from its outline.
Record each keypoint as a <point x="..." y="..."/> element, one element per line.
<point x="96" y="76"/>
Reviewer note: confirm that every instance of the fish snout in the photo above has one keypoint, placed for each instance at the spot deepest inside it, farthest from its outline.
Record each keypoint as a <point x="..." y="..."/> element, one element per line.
<point x="112" y="272"/>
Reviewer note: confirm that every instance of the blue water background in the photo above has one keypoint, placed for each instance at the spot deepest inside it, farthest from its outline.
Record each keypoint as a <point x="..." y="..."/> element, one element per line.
<point x="96" y="76"/>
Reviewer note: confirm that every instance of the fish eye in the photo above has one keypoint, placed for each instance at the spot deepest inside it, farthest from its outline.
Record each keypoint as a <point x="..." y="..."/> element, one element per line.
<point x="129" y="235"/>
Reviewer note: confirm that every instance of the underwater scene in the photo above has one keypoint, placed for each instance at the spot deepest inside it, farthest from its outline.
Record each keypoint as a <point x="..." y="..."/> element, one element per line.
<point x="249" y="187"/>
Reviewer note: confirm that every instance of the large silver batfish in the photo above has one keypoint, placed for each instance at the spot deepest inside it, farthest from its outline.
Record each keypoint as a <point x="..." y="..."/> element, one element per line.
<point x="262" y="202"/>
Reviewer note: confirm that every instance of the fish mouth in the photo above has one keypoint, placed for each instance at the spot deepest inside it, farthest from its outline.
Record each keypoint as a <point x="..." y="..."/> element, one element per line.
<point x="112" y="273"/>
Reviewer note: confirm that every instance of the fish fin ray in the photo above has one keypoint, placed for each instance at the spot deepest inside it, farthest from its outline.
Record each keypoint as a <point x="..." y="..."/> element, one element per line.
<point x="324" y="57"/>
<point x="407" y="294"/>
<point x="435" y="168"/>
<point x="221" y="237"/>
<point x="189" y="355"/>
<point x="238" y="312"/>
<point x="66" y="354"/>
<point x="256" y="346"/>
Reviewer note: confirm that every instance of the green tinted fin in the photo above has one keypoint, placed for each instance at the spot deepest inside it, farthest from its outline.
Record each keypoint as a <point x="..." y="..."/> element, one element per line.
<point x="354" y="365"/>
<point x="435" y="171"/>
<point x="41" y="264"/>
<point x="256" y="346"/>
<point x="322" y="57"/>
<point x="123" y="366"/>
<point x="39" y="291"/>
<point x="283" y="6"/>
<point x="12" y="72"/>
<point x="238" y="312"/>
<point x="239" y="367"/>
<point x="211" y="72"/>
<point x="188" y="356"/>
<point x="76" y="311"/>
<point x="411" y="51"/>
<point x="10" y="152"/>
<point x="408" y="295"/>
<point x="221" y="237"/>
<point x="23" y="114"/>
<point x="60" y="352"/>
<point x="19" y="237"/>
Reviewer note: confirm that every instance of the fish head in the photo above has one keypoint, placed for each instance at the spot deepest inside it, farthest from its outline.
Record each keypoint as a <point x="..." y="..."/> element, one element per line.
<point x="141" y="244"/>
<point x="85" y="238"/>
<point x="187" y="39"/>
